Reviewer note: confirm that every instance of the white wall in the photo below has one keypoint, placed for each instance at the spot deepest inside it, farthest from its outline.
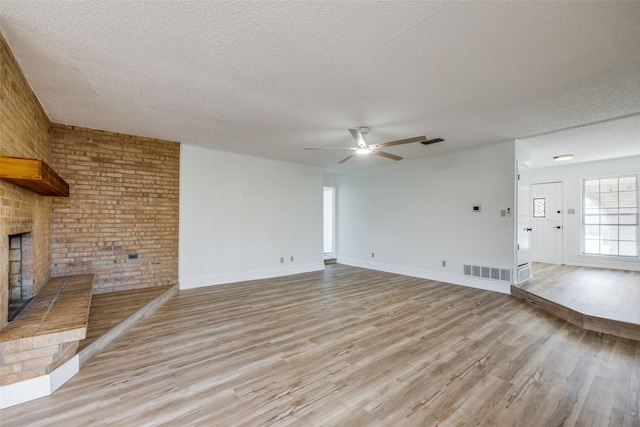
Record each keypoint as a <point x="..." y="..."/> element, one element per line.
<point x="571" y="176"/>
<point x="240" y="214"/>
<point x="415" y="213"/>
<point x="330" y="179"/>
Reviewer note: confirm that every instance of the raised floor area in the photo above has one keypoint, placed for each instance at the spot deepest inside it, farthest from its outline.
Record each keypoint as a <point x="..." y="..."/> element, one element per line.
<point x="595" y="299"/>
<point x="47" y="332"/>
<point x="62" y="329"/>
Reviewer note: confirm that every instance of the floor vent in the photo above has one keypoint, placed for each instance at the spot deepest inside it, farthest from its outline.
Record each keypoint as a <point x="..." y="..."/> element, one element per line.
<point x="490" y="273"/>
<point x="524" y="273"/>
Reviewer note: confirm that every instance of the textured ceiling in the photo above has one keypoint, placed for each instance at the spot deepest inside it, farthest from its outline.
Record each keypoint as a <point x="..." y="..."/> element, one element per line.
<point x="269" y="78"/>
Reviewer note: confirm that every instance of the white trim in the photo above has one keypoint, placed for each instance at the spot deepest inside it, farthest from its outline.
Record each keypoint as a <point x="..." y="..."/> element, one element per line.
<point x="35" y="388"/>
<point x="455" y="279"/>
<point x="545" y="261"/>
<point x="610" y="257"/>
<point x="604" y="266"/>
<point x="64" y="372"/>
<point x="267" y="273"/>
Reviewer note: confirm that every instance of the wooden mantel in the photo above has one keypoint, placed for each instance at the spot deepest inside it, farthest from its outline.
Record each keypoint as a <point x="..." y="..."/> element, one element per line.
<point x="34" y="175"/>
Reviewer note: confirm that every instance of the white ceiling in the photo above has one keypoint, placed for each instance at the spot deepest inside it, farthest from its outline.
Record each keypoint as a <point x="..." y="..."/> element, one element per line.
<point x="269" y="78"/>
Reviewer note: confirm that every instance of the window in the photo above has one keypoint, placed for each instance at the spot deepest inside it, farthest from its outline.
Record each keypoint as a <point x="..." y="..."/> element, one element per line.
<point x="539" y="208"/>
<point x="610" y="216"/>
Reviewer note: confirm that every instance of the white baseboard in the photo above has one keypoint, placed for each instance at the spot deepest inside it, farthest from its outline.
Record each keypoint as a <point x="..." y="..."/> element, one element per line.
<point x="267" y="273"/>
<point x="35" y="388"/>
<point x="545" y="261"/>
<point x="456" y="279"/>
<point x="631" y="266"/>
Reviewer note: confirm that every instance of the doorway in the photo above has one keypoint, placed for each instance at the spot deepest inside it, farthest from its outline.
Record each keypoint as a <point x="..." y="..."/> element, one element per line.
<point x="547" y="223"/>
<point x="328" y="219"/>
<point x="523" y="224"/>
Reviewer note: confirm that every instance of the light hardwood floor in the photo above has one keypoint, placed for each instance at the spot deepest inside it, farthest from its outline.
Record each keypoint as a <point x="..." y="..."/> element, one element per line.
<point x="111" y="309"/>
<point x="349" y="347"/>
<point x="610" y="294"/>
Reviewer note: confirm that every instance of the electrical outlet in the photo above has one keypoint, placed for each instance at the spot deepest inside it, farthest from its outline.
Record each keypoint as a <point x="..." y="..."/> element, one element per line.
<point x="291" y="258"/>
<point x="281" y="260"/>
<point x="372" y="255"/>
<point x="444" y="263"/>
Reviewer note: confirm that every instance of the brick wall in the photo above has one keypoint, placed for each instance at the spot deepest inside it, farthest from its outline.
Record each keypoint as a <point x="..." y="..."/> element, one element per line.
<point x="124" y="196"/>
<point x="24" y="132"/>
<point x="32" y="357"/>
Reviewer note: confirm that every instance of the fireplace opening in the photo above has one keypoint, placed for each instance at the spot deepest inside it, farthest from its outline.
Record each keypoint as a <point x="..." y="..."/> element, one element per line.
<point x="20" y="272"/>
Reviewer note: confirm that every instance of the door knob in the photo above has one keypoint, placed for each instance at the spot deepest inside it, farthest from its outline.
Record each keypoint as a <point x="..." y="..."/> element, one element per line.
<point x="558" y="227"/>
<point x="527" y="229"/>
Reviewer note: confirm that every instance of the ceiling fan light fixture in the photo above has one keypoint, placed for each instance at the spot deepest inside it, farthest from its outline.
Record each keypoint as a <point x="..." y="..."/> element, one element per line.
<point x="563" y="157"/>
<point x="363" y="148"/>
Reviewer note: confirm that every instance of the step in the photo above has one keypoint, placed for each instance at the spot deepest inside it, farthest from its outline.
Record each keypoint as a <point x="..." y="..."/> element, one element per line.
<point x="583" y="320"/>
<point x="111" y="320"/>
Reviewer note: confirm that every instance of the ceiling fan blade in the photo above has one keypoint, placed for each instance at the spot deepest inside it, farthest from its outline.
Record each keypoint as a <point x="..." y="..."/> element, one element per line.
<point x="347" y="158"/>
<point x="432" y="141"/>
<point x="387" y="155"/>
<point x="357" y="135"/>
<point x="401" y="141"/>
<point x="330" y="148"/>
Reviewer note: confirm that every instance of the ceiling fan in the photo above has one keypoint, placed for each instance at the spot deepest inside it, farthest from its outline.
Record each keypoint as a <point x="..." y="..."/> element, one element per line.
<point x="364" y="148"/>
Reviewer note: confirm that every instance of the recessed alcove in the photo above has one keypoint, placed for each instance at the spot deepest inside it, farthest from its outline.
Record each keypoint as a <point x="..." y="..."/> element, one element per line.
<point x="20" y="268"/>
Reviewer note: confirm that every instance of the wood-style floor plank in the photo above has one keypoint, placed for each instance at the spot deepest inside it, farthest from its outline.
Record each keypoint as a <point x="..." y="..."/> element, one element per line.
<point x="349" y="347"/>
<point x="599" y="300"/>
<point x="599" y="292"/>
<point x="110" y="309"/>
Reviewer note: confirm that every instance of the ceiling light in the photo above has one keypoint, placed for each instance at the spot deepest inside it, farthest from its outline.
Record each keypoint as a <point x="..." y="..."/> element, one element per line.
<point x="562" y="157"/>
<point x="363" y="151"/>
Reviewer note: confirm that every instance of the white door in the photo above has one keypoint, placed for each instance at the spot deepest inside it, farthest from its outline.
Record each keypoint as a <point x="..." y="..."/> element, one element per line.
<point x="546" y="209"/>
<point x="523" y="224"/>
<point x="523" y="220"/>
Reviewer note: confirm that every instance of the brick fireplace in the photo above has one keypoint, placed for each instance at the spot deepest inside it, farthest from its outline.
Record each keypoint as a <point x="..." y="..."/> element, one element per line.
<point x="118" y="230"/>
<point x="25" y="131"/>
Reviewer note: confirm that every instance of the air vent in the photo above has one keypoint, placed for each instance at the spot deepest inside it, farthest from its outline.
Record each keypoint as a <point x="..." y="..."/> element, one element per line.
<point x="524" y="273"/>
<point x="467" y="270"/>
<point x="489" y="273"/>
